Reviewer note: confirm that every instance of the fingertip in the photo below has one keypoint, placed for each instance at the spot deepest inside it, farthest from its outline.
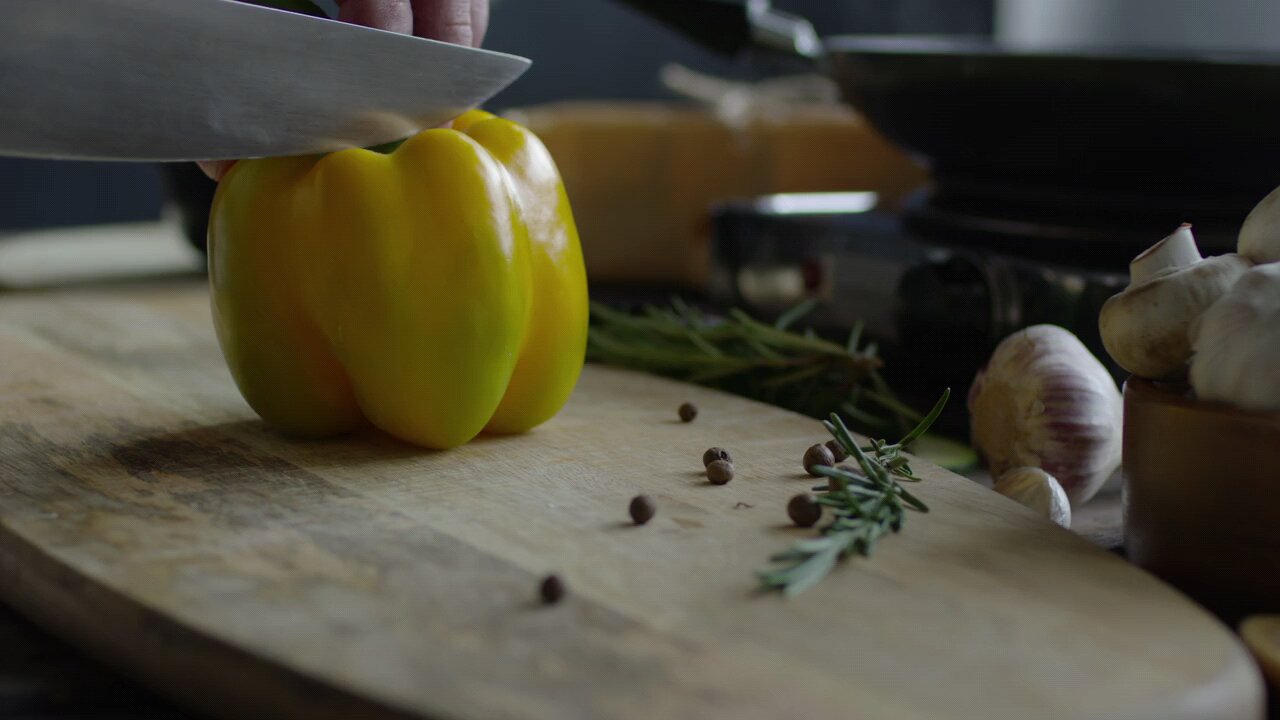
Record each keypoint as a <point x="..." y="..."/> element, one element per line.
<point x="445" y="20"/>
<point x="479" y="21"/>
<point x="215" y="169"/>
<point x="391" y="15"/>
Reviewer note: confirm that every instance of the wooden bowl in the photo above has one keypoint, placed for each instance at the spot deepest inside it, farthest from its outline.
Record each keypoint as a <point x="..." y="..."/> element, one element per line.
<point x="1202" y="496"/>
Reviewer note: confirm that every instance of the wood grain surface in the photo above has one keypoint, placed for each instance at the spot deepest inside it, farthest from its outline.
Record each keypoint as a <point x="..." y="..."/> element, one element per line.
<point x="147" y="516"/>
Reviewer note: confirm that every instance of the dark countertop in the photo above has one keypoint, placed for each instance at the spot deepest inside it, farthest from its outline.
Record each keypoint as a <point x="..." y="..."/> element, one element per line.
<point x="42" y="678"/>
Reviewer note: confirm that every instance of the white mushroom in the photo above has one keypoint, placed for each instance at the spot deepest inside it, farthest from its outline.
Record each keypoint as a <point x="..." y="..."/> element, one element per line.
<point x="1259" y="238"/>
<point x="1237" y="343"/>
<point x="1145" y="327"/>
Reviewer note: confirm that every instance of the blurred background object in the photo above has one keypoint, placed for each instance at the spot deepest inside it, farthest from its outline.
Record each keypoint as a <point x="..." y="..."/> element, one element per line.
<point x="1196" y="25"/>
<point x="642" y="176"/>
<point x="48" y="193"/>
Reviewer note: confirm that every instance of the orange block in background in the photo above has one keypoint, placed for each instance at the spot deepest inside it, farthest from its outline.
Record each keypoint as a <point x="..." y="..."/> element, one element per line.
<point x="642" y="176"/>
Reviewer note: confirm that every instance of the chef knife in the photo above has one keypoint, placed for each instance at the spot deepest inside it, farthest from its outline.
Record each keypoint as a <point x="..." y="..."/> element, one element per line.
<point x="162" y="80"/>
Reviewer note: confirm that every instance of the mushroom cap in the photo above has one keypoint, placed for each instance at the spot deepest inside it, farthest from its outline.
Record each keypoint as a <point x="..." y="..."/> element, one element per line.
<point x="1145" y="328"/>
<point x="1259" y="238"/>
<point x="1237" y="343"/>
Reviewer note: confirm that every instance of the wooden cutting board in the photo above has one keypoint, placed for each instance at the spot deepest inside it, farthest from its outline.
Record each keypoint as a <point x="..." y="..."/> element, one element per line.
<point x="147" y="516"/>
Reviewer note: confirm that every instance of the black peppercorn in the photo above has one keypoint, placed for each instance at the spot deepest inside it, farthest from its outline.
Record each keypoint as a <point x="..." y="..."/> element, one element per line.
<point x="714" y="454"/>
<point x="642" y="509"/>
<point x="804" y="510"/>
<point x="837" y="451"/>
<point x="815" y="456"/>
<point x="720" y="472"/>
<point x="688" y="411"/>
<point x="551" y="590"/>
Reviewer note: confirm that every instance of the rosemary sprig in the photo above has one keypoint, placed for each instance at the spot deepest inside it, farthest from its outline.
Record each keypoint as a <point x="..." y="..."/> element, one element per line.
<point x="766" y="362"/>
<point x="865" y="506"/>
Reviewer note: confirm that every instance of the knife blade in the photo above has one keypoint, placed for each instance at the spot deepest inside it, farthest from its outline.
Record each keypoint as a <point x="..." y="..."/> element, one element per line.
<point x="169" y="80"/>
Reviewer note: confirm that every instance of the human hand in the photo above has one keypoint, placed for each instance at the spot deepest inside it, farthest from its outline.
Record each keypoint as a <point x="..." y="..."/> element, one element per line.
<point x="461" y="22"/>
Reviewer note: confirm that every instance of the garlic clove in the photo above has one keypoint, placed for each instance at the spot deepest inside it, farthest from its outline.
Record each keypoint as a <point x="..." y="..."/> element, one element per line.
<point x="1237" y="344"/>
<point x="1039" y="491"/>
<point x="1259" y="238"/>
<point x="1145" y="328"/>
<point x="1043" y="400"/>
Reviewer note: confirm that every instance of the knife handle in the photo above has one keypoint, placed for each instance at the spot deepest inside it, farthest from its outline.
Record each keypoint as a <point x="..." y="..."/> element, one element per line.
<point x="735" y="27"/>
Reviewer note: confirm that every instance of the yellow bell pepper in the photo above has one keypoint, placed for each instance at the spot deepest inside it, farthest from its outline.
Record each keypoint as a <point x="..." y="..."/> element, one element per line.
<point x="437" y="291"/>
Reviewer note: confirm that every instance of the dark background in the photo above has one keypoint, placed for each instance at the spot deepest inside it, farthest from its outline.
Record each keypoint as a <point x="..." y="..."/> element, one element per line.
<point x="580" y="49"/>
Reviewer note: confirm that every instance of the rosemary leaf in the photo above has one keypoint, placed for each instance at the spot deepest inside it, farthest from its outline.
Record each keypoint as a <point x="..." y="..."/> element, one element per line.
<point x="855" y="335"/>
<point x="927" y="421"/>
<point x="789" y="318"/>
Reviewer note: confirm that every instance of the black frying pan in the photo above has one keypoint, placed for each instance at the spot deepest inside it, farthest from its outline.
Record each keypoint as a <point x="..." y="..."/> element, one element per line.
<point x="1187" y="136"/>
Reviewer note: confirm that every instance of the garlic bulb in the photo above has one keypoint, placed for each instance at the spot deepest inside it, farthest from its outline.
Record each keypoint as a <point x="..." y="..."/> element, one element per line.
<point x="1144" y="327"/>
<point x="1038" y="490"/>
<point x="1237" y="344"/>
<point x="1043" y="400"/>
<point x="1259" y="238"/>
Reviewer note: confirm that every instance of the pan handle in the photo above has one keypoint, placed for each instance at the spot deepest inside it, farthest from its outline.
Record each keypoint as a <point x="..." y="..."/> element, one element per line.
<point x="733" y="27"/>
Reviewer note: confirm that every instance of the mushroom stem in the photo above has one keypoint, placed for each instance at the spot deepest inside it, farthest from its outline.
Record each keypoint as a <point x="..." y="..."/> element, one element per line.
<point x="1178" y="250"/>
